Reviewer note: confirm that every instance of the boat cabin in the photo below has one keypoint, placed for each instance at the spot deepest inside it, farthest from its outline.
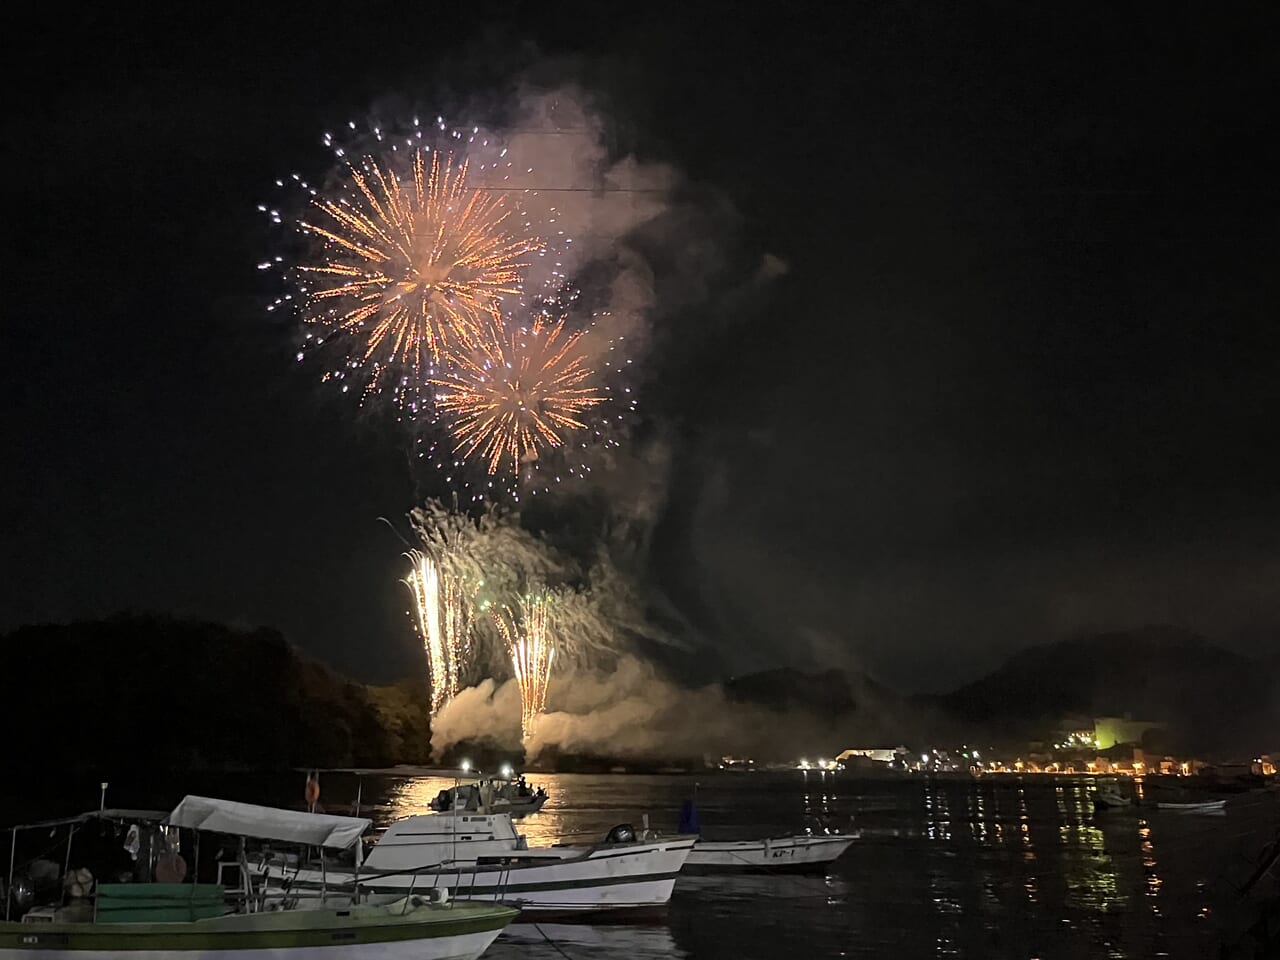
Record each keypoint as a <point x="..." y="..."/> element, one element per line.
<point x="427" y="840"/>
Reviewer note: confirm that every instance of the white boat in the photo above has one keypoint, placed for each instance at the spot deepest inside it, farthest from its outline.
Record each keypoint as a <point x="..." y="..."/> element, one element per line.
<point x="793" y="854"/>
<point x="496" y="794"/>
<point x="480" y="856"/>
<point x="175" y="920"/>
<point x="1110" y="798"/>
<point x="1212" y="807"/>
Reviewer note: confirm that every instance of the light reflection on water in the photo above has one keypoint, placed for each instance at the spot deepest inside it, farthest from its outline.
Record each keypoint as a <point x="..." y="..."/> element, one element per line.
<point x="942" y="868"/>
<point x="556" y="940"/>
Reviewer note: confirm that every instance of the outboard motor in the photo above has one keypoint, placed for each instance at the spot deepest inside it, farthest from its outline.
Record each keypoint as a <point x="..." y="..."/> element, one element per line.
<point x="622" y="833"/>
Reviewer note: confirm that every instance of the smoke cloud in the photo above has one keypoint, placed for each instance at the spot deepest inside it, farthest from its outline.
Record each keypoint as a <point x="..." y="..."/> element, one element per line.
<point x="488" y="710"/>
<point x="633" y="712"/>
<point x="649" y="253"/>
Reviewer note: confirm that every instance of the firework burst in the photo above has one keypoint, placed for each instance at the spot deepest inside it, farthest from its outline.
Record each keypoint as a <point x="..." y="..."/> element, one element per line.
<point x="529" y="643"/>
<point x="516" y="392"/>
<point x="445" y="610"/>
<point x="410" y="265"/>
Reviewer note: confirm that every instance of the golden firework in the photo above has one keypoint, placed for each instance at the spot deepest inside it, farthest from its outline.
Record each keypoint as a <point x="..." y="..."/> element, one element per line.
<point x="413" y="266"/>
<point x="444" y="608"/>
<point x="516" y="391"/>
<point x="529" y="643"/>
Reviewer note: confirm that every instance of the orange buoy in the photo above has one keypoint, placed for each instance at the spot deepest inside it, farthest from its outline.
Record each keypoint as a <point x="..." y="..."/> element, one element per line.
<point x="313" y="789"/>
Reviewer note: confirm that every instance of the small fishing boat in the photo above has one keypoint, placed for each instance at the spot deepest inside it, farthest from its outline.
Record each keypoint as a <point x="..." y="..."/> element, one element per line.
<point x="1210" y="807"/>
<point x="413" y="928"/>
<point x="478" y="854"/>
<point x="799" y="853"/>
<point x="496" y="794"/>
<point x="1109" y="797"/>
<point x="91" y="920"/>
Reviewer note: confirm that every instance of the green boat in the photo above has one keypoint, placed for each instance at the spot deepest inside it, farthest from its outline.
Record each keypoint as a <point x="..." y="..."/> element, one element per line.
<point x="240" y="921"/>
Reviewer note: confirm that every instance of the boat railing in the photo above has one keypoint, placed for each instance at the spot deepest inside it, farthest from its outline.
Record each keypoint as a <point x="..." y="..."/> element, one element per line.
<point x="356" y="887"/>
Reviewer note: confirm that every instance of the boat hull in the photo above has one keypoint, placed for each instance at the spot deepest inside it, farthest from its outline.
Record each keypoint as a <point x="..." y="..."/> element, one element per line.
<point x="791" y="854"/>
<point x="1214" y="807"/>
<point x="460" y="932"/>
<point x="554" y="882"/>
<point x="1111" y="802"/>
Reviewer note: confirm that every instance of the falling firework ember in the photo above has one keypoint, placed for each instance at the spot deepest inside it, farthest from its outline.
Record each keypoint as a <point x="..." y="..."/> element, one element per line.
<point x="529" y="643"/>
<point x="516" y="391"/>
<point x="445" y="609"/>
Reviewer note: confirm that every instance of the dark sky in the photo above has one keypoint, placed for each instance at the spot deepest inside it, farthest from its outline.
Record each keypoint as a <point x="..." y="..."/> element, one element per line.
<point x="1019" y="380"/>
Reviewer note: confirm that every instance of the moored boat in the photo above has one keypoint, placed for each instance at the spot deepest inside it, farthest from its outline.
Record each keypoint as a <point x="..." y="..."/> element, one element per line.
<point x="1212" y="807"/>
<point x="1109" y="797"/>
<point x="480" y="856"/>
<point x="495" y="794"/>
<point x="799" y="853"/>
<point x="238" y="921"/>
<point x="412" y="928"/>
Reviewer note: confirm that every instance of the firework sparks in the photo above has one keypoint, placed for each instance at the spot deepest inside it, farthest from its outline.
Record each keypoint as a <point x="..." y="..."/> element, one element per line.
<point x="532" y="653"/>
<point x="411" y="267"/>
<point x="517" y="391"/>
<point x="445" y="609"/>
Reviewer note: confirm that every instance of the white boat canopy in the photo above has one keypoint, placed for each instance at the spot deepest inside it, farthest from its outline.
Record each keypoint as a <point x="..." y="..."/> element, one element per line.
<point x="268" y="823"/>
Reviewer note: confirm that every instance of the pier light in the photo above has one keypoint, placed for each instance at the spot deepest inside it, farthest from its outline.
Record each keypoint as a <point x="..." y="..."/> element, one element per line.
<point x="506" y="771"/>
<point x="466" y="766"/>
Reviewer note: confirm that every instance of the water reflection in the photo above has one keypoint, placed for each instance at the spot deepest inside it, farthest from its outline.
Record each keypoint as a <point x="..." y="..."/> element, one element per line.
<point x="1148" y="848"/>
<point x="945" y="868"/>
<point x="553" y="940"/>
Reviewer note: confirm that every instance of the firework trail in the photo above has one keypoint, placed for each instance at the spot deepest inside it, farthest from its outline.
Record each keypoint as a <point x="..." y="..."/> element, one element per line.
<point x="410" y="267"/>
<point x="532" y="653"/>
<point x="444" y="605"/>
<point x="516" y="392"/>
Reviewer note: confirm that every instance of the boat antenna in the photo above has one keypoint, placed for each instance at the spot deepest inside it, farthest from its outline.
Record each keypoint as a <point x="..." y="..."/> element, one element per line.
<point x="102" y="797"/>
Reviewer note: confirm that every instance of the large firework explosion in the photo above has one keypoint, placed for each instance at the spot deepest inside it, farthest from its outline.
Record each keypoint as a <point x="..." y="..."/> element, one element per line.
<point x="412" y="241"/>
<point x="532" y="650"/>
<point x="409" y="269"/>
<point x="427" y="262"/>
<point x="517" y="391"/>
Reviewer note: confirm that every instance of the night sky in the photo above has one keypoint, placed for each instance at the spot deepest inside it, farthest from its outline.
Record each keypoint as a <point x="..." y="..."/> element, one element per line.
<point x="1018" y="379"/>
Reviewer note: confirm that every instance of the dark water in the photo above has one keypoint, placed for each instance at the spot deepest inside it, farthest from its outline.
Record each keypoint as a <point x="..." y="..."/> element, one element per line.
<point x="998" y="867"/>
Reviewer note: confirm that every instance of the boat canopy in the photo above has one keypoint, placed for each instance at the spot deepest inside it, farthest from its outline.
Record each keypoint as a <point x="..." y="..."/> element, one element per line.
<point x="110" y="814"/>
<point x="268" y="823"/>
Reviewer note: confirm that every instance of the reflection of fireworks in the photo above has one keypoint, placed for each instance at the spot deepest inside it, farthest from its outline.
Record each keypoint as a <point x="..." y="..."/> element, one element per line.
<point x="529" y="643"/>
<point x="445" y="610"/>
<point x="412" y="266"/>
<point x="516" y="391"/>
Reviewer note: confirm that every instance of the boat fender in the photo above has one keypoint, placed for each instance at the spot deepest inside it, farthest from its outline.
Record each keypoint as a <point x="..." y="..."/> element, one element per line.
<point x="622" y="833"/>
<point x="171" y="868"/>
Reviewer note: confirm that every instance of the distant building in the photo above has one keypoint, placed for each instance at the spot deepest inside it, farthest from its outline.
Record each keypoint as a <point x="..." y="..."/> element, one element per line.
<point x="879" y="754"/>
<point x="1111" y="731"/>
